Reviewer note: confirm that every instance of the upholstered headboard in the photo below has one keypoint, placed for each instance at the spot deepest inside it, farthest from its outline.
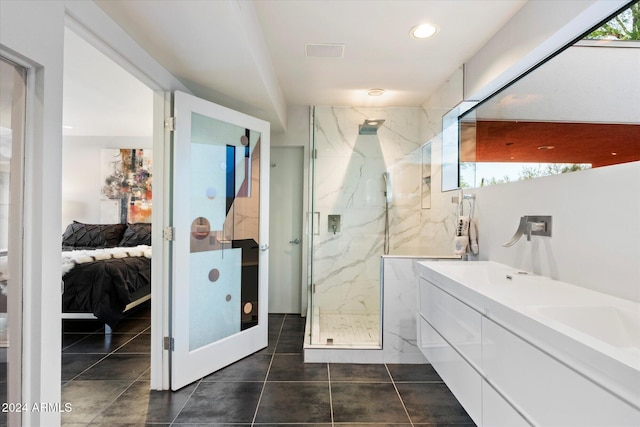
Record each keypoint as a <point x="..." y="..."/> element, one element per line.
<point x="81" y="235"/>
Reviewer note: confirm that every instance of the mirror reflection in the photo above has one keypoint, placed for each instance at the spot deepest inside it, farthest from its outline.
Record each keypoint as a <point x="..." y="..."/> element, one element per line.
<point x="578" y="110"/>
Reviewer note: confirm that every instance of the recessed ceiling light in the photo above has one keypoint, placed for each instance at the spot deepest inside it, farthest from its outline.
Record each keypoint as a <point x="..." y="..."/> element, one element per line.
<point x="546" y="147"/>
<point x="613" y="153"/>
<point x="423" y="31"/>
<point x="375" y="92"/>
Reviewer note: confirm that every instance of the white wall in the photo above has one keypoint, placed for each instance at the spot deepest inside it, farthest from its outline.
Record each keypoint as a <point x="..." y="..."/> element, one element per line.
<point x="595" y="227"/>
<point x="595" y="233"/>
<point x="539" y="29"/>
<point x="297" y="135"/>
<point x="34" y="31"/>
<point x="82" y="181"/>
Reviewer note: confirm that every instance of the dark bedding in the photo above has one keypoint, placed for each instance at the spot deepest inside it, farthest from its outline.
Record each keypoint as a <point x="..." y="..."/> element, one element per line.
<point x="105" y="287"/>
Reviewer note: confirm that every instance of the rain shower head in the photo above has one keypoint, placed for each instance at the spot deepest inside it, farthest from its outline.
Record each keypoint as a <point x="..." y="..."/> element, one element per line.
<point x="370" y="126"/>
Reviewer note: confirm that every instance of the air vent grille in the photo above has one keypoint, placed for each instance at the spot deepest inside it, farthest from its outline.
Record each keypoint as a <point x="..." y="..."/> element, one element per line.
<point x="324" y="50"/>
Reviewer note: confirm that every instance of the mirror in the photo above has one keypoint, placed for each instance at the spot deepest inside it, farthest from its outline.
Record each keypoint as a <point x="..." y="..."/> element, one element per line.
<point x="577" y="110"/>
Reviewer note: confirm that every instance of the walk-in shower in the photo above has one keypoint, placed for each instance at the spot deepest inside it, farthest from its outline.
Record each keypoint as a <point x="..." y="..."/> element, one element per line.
<point x="370" y="126"/>
<point x="352" y="183"/>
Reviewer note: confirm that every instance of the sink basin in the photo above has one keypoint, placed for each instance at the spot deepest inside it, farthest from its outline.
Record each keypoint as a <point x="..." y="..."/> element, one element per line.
<point x="615" y="326"/>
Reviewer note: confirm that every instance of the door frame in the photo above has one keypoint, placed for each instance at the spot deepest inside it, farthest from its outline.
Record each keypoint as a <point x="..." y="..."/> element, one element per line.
<point x="161" y="85"/>
<point x="16" y="244"/>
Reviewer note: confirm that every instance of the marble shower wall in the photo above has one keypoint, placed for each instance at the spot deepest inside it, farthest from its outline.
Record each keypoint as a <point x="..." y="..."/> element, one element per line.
<point x="348" y="182"/>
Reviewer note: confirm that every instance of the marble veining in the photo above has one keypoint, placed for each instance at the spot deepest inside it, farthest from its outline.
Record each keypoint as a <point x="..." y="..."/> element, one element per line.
<point x="348" y="182"/>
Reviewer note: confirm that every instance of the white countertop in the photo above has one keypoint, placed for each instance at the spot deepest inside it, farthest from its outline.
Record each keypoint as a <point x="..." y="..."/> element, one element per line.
<point x="592" y="331"/>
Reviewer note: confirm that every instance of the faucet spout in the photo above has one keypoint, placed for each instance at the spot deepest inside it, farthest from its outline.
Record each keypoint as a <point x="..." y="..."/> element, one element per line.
<point x="531" y="225"/>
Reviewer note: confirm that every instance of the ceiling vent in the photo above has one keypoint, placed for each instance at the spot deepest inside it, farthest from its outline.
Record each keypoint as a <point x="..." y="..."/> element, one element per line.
<point x="324" y="50"/>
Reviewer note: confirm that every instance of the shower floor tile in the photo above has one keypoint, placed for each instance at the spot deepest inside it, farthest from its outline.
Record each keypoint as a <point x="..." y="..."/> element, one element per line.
<point x="349" y="329"/>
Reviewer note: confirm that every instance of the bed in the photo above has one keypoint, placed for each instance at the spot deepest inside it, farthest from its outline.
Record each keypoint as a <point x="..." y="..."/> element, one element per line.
<point x="106" y="270"/>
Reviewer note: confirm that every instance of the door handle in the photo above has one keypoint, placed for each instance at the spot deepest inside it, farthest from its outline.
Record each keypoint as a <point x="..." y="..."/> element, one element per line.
<point x="295" y="241"/>
<point x="264" y="247"/>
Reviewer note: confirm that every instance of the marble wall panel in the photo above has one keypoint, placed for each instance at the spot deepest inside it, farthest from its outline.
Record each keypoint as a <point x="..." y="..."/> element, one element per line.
<point x="348" y="182"/>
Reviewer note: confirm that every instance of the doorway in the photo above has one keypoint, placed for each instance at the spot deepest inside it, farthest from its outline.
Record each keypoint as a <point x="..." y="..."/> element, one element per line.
<point x="286" y="192"/>
<point x="106" y="188"/>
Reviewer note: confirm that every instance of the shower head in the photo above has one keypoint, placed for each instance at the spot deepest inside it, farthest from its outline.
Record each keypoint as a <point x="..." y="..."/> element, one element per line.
<point x="370" y="126"/>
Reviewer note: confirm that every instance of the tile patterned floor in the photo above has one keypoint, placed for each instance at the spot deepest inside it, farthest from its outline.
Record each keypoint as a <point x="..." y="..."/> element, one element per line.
<point x="346" y="329"/>
<point x="106" y="379"/>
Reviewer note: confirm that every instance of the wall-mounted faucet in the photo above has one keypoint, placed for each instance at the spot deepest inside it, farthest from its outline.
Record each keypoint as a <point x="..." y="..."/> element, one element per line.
<point x="334" y="223"/>
<point x="537" y="225"/>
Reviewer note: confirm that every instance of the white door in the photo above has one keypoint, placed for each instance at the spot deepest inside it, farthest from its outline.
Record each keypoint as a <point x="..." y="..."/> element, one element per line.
<point x="285" y="276"/>
<point x="220" y="189"/>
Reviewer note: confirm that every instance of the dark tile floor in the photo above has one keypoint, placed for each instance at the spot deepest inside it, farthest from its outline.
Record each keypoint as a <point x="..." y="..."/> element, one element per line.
<point x="106" y="380"/>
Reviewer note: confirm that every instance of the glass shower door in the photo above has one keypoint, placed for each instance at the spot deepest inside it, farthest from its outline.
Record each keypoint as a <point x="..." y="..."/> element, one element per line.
<point x="347" y="201"/>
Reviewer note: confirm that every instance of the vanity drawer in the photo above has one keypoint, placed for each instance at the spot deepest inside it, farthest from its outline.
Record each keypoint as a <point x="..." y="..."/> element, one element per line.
<point x="550" y="392"/>
<point x="458" y="323"/>
<point x="497" y="412"/>
<point x="463" y="381"/>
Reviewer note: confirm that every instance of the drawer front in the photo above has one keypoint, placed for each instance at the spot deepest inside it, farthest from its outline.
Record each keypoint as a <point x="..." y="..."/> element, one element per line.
<point x="463" y="381"/>
<point x="454" y="320"/>
<point x="497" y="412"/>
<point x="549" y="392"/>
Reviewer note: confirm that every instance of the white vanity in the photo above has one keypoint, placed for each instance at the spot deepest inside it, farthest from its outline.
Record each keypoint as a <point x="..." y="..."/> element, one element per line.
<point x="520" y="349"/>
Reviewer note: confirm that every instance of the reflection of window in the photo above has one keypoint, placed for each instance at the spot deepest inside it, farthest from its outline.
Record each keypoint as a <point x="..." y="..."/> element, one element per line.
<point x="574" y="112"/>
<point x="484" y="174"/>
<point x="624" y="26"/>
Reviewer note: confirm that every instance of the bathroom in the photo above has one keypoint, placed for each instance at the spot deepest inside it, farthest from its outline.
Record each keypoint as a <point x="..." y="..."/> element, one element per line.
<point x="580" y="204"/>
<point x="592" y="244"/>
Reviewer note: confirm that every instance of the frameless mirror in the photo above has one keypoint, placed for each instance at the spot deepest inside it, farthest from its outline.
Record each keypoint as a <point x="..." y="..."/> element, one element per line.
<point x="577" y="110"/>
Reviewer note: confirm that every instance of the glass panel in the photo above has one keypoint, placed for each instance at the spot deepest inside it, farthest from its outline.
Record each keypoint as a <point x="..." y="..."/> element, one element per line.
<point x="224" y="207"/>
<point x="575" y="111"/>
<point x="348" y="222"/>
<point x="12" y="107"/>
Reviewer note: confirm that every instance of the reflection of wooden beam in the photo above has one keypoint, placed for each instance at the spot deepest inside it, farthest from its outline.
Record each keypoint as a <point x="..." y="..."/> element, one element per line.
<point x="513" y="141"/>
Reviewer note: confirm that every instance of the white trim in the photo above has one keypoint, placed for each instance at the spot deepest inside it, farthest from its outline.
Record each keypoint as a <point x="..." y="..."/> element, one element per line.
<point x="161" y="270"/>
<point x="15" y="360"/>
<point x="89" y="21"/>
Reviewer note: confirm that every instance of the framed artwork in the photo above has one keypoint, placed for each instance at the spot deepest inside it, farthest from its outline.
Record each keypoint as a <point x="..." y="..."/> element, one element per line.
<point x="127" y="179"/>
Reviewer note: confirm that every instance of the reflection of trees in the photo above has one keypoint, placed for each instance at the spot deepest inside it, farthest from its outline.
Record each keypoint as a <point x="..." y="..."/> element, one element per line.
<point x="464" y="170"/>
<point x="624" y="26"/>
<point x="530" y="172"/>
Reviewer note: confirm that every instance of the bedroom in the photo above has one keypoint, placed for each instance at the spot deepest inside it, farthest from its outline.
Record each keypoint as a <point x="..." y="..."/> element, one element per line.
<point x="106" y="179"/>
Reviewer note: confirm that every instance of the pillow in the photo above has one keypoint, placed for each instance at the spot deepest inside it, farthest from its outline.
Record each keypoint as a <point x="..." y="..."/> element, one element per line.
<point x="137" y="234"/>
<point x="79" y="234"/>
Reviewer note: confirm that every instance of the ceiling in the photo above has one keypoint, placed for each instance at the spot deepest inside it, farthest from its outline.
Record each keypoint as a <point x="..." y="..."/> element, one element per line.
<point x="250" y="56"/>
